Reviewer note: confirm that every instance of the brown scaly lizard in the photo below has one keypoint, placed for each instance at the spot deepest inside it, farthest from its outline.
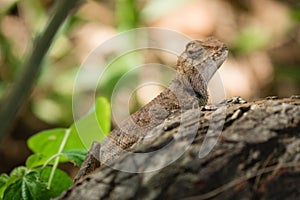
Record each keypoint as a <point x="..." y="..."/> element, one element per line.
<point x="195" y="66"/>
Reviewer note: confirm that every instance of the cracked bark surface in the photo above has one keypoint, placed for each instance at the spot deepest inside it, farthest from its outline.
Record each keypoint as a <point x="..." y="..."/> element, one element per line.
<point x="257" y="156"/>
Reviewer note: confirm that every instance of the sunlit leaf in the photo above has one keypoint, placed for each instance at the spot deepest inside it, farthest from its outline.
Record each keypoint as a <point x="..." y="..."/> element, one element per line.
<point x="45" y="144"/>
<point x="36" y="160"/>
<point x="88" y="129"/>
<point x="103" y="114"/>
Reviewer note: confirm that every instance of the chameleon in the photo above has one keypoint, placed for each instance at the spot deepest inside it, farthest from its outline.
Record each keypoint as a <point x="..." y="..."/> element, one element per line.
<point x="195" y="66"/>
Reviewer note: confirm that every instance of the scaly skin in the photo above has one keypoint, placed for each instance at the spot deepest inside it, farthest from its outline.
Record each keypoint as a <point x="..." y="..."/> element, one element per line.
<point x="195" y="66"/>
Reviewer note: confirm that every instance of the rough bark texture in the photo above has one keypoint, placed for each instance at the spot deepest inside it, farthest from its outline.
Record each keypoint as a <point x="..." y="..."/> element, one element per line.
<point x="257" y="156"/>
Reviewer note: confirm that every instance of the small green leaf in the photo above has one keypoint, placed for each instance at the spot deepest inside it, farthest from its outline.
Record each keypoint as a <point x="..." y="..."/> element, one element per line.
<point x="103" y="114"/>
<point x="61" y="181"/>
<point x="18" y="172"/>
<point x="47" y="143"/>
<point x="12" y="181"/>
<point x="75" y="155"/>
<point x="88" y="129"/>
<point x="27" y="187"/>
<point x="3" y="184"/>
<point x="94" y="126"/>
<point x="36" y="160"/>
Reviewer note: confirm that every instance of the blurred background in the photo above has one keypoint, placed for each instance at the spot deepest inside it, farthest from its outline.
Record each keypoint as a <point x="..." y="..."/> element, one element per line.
<point x="263" y="37"/>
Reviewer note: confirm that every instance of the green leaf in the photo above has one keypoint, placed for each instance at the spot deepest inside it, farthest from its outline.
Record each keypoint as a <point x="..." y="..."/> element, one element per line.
<point x="27" y="187"/>
<point x="32" y="184"/>
<point x="61" y="181"/>
<point x="13" y="191"/>
<point x="3" y="184"/>
<point x="88" y="129"/>
<point x="47" y="143"/>
<point x="75" y="155"/>
<point x="18" y="172"/>
<point x="36" y="160"/>
<point x="103" y="114"/>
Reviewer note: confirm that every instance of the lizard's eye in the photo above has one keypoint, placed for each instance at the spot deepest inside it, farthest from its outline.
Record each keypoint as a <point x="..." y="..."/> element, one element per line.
<point x="194" y="50"/>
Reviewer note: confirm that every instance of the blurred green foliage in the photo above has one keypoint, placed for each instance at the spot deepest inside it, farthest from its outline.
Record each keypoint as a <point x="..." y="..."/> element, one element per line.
<point x="51" y="101"/>
<point x="249" y="40"/>
<point x="295" y="14"/>
<point x="288" y="72"/>
<point x="127" y="14"/>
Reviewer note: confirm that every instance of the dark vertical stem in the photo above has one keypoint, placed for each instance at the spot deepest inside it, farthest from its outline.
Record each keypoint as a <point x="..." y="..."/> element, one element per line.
<point x="31" y="67"/>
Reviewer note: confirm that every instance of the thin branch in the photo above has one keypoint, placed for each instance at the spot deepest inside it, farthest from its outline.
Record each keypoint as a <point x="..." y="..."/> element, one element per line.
<point x="31" y="67"/>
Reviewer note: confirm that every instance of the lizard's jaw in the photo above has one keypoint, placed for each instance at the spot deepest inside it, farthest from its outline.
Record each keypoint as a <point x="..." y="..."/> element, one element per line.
<point x="222" y="56"/>
<point x="202" y="57"/>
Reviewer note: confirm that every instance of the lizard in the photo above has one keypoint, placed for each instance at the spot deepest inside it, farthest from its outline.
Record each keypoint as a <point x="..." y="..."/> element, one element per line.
<point x="195" y="66"/>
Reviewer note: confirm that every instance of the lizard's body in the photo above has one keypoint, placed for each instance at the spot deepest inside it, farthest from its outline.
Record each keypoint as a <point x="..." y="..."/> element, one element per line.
<point x="196" y="65"/>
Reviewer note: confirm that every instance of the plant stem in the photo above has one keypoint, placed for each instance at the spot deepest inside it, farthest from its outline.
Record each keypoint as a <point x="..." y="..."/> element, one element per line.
<point x="61" y="148"/>
<point x="31" y="67"/>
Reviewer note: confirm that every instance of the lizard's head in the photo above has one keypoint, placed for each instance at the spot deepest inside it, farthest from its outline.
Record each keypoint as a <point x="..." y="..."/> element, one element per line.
<point x="206" y="56"/>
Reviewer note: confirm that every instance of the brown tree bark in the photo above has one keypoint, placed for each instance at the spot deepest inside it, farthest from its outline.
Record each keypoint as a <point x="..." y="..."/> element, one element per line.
<point x="257" y="156"/>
